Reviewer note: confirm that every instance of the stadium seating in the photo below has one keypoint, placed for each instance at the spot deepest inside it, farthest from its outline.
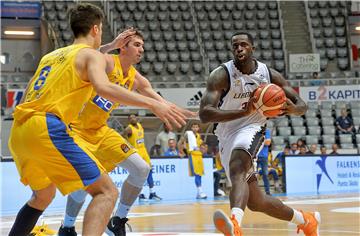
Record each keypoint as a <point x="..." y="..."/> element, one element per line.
<point x="328" y="21"/>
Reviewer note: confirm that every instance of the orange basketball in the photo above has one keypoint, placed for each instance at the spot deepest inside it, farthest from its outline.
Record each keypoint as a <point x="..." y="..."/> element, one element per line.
<point x="269" y="99"/>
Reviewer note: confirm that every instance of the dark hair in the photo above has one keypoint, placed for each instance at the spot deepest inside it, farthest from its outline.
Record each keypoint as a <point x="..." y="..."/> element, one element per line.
<point x="84" y="16"/>
<point x="195" y="123"/>
<point x="250" y="37"/>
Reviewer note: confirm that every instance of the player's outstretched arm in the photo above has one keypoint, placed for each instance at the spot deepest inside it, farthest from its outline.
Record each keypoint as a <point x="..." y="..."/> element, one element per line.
<point x="143" y="86"/>
<point x="95" y="70"/>
<point x="217" y="84"/>
<point x="294" y="104"/>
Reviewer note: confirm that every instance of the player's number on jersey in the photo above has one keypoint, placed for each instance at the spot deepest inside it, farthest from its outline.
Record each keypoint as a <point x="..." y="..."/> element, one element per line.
<point x="243" y="106"/>
<point x="39" y="83"/>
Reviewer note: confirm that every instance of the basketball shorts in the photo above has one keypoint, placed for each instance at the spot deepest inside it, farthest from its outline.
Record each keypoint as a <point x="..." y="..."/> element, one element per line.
<point x="250" y="139"/>
<point x="45" y="152"/>
<point x="196" y="164"/>
<point x="109" y="147"/>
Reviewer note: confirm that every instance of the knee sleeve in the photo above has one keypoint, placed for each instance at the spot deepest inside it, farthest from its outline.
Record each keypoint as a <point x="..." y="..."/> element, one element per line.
<point x="138" y="170"/>
<point x="79" y="196"/>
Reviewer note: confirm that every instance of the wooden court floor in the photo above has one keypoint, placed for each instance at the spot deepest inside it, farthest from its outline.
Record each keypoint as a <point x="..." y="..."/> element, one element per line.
<point x="340" y="217"/>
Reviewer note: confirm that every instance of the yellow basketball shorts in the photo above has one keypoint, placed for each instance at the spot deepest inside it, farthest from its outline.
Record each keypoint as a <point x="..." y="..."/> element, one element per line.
<point x="109" y="147"/>
<point x="196" y="164"/>
<point x="45" y="153"/>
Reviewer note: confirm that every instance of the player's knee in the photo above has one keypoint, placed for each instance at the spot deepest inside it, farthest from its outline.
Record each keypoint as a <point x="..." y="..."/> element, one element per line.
<point x="42" y="199"/>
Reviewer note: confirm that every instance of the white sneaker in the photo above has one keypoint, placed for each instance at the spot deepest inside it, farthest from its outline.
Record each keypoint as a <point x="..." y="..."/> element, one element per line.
<point x="201" y="196"/>
<point x="222" y="193"/>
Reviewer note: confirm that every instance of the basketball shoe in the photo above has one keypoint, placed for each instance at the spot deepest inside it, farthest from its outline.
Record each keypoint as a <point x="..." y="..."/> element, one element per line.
<point x="201" y="196"/>
<point x="153" y="196"/>
<point x="227" y="226"/>
<point x="42" y="230"/>
<point x="311" y="225"/>
<point x="142" y="197"/>
<point x="67" y="231"/>
<point x="117" y="226"/>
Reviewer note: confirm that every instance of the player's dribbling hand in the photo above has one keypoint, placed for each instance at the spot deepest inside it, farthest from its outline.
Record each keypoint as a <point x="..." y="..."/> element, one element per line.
<point x="123" y="38"/>
<point x="250" y="108"/>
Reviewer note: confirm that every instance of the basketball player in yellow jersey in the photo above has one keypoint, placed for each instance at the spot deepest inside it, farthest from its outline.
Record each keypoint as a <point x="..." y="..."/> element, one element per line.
<point x="135" y="135"/>
<point x="196" y="164"/>
<point x="54" y="97"/>
<point x="111" y="148"/>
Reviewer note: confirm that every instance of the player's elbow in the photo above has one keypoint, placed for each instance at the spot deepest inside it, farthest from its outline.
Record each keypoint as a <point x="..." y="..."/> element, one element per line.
<point x="203" y="115"/>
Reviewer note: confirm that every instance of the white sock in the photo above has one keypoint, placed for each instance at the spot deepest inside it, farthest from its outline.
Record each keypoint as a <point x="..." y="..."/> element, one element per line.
<point x="238" y="213"/>
<point x="199" y="189"/>
<point x="151" y="190"/>
<point x="298" y="218"/>
<point x="122" y="210"/>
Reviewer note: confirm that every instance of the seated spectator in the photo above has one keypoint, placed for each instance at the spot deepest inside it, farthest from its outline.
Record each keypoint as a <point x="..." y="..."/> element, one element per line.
<point x="334" y="148"/>
<point x="302" y="150"/>
<point x="273" y="166"/>
<point x="161" y="142"/>
<point x="204" y="149"/>
<point x="294" y="149"/>
<point x="181" y="146"/>
<point x="344" y="123"/>
<point x="172" y="149"/>
<point x="323" y="150"/>
<point x="312" y="149"/>
<point x="300" y="142"/>
<point x="280" y="161"/>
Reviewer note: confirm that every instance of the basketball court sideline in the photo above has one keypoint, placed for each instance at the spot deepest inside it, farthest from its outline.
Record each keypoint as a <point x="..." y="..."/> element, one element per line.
<point x="195" y="217"/>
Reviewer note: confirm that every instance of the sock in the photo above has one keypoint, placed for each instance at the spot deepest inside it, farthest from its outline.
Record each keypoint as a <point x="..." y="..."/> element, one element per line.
<point x="122" y="210"/>
<point x="199" y="189"/>
<point x="151" y="190"/>
<point x="25" y="220"/>
<point x="69" y="221"/>
<point x="238" y="213"/>
<point x="298" y="218"/>
<point x="73" y="206"/>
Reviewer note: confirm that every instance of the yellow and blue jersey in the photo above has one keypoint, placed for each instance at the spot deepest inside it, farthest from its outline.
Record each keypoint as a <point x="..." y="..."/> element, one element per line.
<point x="138" y="142"/>
<point x="56" y="87"/>
<point x="97" y="110"/>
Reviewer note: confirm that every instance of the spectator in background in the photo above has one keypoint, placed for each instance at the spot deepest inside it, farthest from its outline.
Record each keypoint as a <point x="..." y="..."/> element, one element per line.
<point x="315" y="80"/>
<point x="334" y="148"/>
<point x="3" y="99"/>
<point x="300" y="142"/>
<point x="218" y="172"/>
<point x="196" y="164"/>
<point x="161" y="142"/>
<point x="172" y="149"/>
<point x="280" y="160"/>
<point x="181" y="146"/>
<point x="312" y="149"/>
<point x="263" y="160"/>
<point x="302" y="150"/>
<point x="344" y="123"/>
<point x="294" y="149"/>
<point x="323" y="150"/>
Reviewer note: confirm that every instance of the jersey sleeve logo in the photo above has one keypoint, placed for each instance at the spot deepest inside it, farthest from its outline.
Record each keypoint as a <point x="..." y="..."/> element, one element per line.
<point x="103" y="103"/>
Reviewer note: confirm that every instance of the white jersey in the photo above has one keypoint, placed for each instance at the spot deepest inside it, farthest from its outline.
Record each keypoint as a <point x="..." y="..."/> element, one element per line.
<point x="241" y="88"/>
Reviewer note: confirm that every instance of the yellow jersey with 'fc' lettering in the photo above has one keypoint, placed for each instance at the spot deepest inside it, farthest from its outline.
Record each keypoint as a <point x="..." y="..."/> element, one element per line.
<point x="56" y="87"/>
<point x="97" y="110"/>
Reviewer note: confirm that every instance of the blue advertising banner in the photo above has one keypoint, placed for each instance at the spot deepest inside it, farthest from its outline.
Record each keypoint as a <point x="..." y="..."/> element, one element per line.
<point x="21" y="9"/>
<point x="322" y="174"/>
<point x="171" y="178"/>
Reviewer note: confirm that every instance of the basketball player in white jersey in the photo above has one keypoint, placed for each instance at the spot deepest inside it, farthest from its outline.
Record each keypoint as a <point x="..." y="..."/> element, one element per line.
<point x="228" y="101"/>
